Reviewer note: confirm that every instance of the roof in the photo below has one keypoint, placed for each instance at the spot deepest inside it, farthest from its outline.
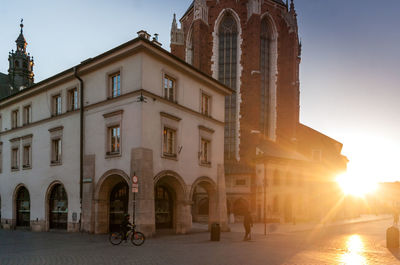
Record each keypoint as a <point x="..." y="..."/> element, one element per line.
<point x="269" y="149"/>
<point x="4" y="86"/>
<point x="192" y="5"/>
<point x="71" y="70"/>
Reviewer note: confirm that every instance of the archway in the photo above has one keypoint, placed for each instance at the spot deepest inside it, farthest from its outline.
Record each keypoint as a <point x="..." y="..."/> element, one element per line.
<point x="58" y="207"/>
<point x="172" y="209"/>
<point x="112" y="199"/>
<point x="204" y="198"/>
<point x="23" y="208"/>
<point x="119" y="198"/>
<point x="164" y="207"/>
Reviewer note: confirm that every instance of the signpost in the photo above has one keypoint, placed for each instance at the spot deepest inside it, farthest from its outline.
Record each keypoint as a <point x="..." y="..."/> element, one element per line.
<point x="135" y="189"/>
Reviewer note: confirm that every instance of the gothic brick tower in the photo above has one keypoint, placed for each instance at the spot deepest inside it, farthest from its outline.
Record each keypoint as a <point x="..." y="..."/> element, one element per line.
<point x="253" y="47"/>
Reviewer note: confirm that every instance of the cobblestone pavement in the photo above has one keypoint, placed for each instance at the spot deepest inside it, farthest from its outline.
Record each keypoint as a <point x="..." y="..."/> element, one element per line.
<point x="348" y="244"/>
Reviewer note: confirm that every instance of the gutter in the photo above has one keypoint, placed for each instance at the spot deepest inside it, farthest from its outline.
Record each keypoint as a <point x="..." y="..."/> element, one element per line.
<point x="81" y="130"/>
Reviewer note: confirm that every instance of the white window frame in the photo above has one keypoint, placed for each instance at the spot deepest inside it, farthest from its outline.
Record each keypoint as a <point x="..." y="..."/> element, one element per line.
<point x="56" y="134"/>
<point x="205" y="134"/>
<point x="27" y="142"/>
<point x="114" y="93"/>
<point x="27" y="114"/>
<point x="205" y="110"/>
<point x="170" y="123"/>
<point x="113" y="120"/>
<point x="56" y="106"/>
<point x="14" y="118"/>
<point x="73" y="99"/>
<point x="111" y="150"/>
<point x="166" y="89"/>
<point x="169" y="149"/>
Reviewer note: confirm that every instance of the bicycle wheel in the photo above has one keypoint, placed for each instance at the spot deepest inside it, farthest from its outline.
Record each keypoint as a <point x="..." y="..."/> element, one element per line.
<point x="137" y="238"/>
<point x="115" y="238"/>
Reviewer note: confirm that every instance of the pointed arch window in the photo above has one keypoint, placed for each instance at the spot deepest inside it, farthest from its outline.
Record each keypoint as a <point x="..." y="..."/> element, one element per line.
<point x="265" y="69"/>
<point x="227" y="74"/>
<point x="189" y="47"/>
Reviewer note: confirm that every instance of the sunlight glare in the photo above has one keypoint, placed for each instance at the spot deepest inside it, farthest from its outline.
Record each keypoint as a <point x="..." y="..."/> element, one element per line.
<point x="356" y="186"/>
<point x="354" y="249"/>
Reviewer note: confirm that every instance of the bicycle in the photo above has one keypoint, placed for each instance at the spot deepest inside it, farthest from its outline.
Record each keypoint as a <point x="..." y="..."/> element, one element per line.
<point x="137" y="238"/>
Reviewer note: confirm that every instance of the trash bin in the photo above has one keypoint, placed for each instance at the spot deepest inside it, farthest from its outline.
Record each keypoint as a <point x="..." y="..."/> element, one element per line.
<point x="392" y="237"/>
<point x="215" y="232"/>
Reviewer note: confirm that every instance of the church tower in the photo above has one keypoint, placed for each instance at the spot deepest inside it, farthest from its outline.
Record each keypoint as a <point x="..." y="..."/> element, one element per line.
<point x="20" y="71"/>
<point x="251" y="46"/>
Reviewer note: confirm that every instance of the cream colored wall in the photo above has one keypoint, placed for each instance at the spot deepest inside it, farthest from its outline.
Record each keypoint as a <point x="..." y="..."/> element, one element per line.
<point x="188" y="88"/>
<point x="97" y="82"/>
<point x="42" y="174"/>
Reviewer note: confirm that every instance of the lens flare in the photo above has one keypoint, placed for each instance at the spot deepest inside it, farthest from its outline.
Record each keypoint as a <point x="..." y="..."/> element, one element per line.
<point x="356" y="186"/>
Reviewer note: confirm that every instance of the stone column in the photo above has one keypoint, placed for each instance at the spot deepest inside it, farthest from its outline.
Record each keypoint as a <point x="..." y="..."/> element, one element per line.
<point x="88" y="213"/>
<point x="142" y="166"/>
<point x="221" y="195"/>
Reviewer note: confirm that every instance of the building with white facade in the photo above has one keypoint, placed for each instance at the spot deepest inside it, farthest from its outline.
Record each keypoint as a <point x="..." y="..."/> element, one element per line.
<point x="145" y="113"/>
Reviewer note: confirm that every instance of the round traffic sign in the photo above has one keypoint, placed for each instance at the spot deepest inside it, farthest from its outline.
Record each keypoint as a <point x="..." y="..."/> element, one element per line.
<point x="135" y="179"/>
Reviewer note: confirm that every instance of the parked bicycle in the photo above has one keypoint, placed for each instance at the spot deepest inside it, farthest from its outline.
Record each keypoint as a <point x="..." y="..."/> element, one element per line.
<point x="137" y="238"/>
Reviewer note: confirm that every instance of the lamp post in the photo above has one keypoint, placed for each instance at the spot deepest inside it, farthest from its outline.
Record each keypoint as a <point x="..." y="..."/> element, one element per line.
<point x="265" y="201"/>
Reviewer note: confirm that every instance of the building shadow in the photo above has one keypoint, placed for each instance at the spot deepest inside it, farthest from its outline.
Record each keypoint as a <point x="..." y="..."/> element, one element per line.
<point x="395" y="252"/>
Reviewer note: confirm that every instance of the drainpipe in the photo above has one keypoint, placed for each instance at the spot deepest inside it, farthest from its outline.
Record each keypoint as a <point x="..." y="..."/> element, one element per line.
<point x="81" y="127"/>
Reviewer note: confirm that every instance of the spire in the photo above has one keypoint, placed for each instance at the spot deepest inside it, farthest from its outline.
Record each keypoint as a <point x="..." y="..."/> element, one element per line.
<point x="292" y="10"/>
<point x="21" y="42"/>
<point x="177" y="34"/>
<point x="174" y="24"/>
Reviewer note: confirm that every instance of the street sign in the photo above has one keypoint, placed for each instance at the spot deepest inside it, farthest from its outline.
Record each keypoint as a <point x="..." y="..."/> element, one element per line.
<point x="135" y="184"/>
<point x="135" y="179"/>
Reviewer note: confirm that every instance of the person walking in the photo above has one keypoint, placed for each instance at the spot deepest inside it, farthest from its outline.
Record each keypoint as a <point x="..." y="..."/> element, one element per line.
<point x="248" y="224"/>
<point x="396" y="217"/>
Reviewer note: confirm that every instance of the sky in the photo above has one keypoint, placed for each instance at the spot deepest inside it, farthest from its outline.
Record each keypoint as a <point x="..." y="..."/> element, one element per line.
<point x="349" y="72"/>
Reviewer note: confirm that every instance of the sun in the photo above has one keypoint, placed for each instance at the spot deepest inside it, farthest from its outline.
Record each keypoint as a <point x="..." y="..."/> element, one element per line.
<point x="356" y="186"/>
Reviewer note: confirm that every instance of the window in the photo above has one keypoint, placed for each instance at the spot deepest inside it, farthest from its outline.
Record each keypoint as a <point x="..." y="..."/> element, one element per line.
<point x="14" y="159"/>
<point x="56" y="151"/>
<point x="115" y="85"/>
<point x="265" y="75"/>
<point x="277" y="180"/>
<point x="169" y="88"/>
<point x="73" y="99"/>
<point x="27" y="114"/>
<point x="240" y="182"/>
<point x="205" y="151"/>
<point x="14" y="119"/>
<point x="205" y="104"/>
<point x="227" y="65"/>
<point x="114" y="140"/>
<point x="316" y="155"/>
<point x="27" y="157"/>
<point x="169" y="142"/>
<point x="56" y="105"/>
<point x="1" y="157"/>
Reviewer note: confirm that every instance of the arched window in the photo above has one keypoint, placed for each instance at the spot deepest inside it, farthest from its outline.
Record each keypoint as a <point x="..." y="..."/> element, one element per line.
<point x="276" y="178"/>
<point x="265" y="65"/>
<point x="189" y="47"/>
<point x="227" y="74"/>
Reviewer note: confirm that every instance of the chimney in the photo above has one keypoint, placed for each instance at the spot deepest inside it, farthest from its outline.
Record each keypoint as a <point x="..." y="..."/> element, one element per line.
<point x="143" y="34"/>
<point x="155" y="40"/>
